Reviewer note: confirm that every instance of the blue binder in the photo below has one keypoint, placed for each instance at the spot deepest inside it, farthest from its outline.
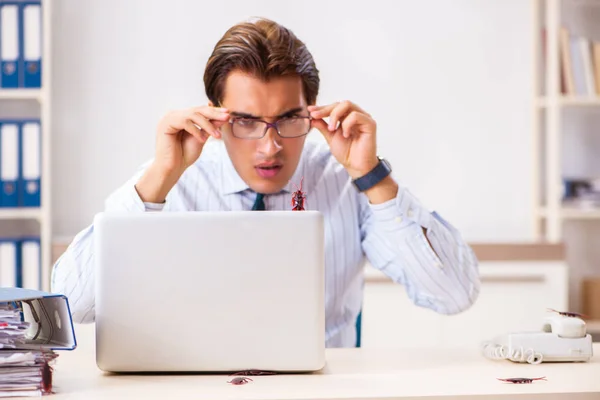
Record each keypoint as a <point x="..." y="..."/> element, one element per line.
<point x="29" y="184"/>
<point x="30" y="17"/>
<point x="10" y="151"/>
<point x="30" y="263"/>
<point x="11" y="61"/>
<point x="52" y="315"/>
<point x="10" y="263"/>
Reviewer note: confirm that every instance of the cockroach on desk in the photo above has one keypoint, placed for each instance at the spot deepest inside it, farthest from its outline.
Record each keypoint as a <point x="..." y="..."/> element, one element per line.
<point x="253" y="372"/>
<point x="521" y="380"/>
<point x="239" y="380"/>
<point x="46" y="376"/>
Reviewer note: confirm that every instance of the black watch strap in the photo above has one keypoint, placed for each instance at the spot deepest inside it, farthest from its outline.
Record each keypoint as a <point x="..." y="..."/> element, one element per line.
<point x="373" y="177"/>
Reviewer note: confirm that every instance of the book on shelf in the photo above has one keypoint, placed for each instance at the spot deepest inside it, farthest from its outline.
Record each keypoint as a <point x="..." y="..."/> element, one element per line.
<point x="579" y="65"/>
<point x="581" y="193"/>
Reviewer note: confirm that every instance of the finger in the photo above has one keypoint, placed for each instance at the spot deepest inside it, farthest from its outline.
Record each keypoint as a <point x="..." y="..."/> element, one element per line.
<point x="205" y="124"/>
<point x="217" y="113"/>
<point x="323" y="111"/>
<point x="217" y="124"/>
<point x="352" y="121"/>
<point x="322" y="127"/>
<point x="192" y="129"/>
<point x="338" y="114"/>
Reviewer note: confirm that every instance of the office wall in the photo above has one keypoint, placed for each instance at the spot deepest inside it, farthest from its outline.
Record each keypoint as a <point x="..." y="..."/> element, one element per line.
<point x="449" y="83"/>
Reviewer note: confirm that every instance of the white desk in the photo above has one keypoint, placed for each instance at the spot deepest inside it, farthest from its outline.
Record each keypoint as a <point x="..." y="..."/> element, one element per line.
<point x="350" y="374"/>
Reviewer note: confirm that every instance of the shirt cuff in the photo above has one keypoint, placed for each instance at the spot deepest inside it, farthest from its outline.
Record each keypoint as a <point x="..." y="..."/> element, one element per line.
<point x="126" y="198"/>
<point x="404" y="208"/>
<point x="154" y="206"/>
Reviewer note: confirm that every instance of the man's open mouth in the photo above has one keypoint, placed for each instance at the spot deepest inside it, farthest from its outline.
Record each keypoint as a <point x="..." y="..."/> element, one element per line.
<point x="268" y="171"/>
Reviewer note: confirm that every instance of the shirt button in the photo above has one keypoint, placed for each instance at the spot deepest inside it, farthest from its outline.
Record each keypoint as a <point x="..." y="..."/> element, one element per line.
<point x="439" y="265"/>
<point x="410" y="213"/>
<point x="398" y="219"/>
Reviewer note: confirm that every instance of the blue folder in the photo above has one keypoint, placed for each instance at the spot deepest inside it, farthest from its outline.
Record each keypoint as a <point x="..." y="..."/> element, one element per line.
<point x="30" y="17"/>
<point x="10" y="153"/>
<point x="30" y="168"/>
<point x="11" y="56"/>
<point x="52" y="314"/>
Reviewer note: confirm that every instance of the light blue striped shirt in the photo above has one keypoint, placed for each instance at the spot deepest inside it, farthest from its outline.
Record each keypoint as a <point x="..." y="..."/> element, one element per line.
<point x="444" y="278"/>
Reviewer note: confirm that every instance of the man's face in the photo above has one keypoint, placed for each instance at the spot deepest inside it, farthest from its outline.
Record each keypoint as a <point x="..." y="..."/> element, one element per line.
<point x="268" y="163"/>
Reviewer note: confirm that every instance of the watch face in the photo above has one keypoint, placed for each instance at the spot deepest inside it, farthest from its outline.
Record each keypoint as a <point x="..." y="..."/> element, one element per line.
<point x="387" y="163"/>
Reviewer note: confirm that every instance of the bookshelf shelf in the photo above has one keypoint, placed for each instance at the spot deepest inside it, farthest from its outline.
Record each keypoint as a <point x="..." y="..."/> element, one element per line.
<point x="21" y="94"/>
<point x="21" y="213"/>
<point x="574" y="213"/>
<point x="571" y="101"/>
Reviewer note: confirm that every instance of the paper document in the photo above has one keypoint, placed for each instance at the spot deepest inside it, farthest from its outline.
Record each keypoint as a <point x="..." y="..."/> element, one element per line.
<point x="21" y="369"/>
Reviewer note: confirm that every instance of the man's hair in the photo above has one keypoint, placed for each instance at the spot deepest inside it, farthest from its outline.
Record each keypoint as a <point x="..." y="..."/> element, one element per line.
<point x="264" y="49"/>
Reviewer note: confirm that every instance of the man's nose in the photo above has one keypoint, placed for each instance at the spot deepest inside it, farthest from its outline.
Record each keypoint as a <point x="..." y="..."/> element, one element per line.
<point x="270" y="144"/>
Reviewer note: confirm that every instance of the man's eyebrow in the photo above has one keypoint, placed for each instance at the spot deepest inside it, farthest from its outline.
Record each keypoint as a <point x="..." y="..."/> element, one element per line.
<point x="290" y="112"/>
<point x="250" y="116"/>
<point x="242" y="115"/>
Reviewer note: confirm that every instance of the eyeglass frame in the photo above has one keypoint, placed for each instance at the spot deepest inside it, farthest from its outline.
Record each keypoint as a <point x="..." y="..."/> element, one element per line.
<point x="269" y="125"/>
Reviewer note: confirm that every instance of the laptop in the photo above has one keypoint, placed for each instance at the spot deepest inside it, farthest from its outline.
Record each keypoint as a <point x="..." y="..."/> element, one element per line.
<point x="222" y="291"/>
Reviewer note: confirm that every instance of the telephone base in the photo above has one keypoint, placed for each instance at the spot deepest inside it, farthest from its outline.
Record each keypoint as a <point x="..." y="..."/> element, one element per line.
<point x="553" y="348"/>
<point x="537" y="347"/>
<point x="562" y="339"/>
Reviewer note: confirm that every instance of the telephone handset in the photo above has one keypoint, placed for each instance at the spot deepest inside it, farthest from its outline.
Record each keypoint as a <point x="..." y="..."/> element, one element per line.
<point x="561" y="339"/>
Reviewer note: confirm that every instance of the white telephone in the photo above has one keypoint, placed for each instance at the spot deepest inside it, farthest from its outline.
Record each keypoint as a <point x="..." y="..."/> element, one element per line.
<point x="562" y="339"/>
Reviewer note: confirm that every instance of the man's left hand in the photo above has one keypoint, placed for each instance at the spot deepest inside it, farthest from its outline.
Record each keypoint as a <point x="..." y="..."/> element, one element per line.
<point x="353" y="142"/>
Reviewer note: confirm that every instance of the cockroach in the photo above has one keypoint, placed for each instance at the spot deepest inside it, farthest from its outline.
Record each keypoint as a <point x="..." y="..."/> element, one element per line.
<point x="568" y="313"/>
<point x="254" y="372"/>
<point x="46" y="376"/>
<point x="239" y="380"/>
<point x="298" y="198"/>
<point x="521" y="380"/>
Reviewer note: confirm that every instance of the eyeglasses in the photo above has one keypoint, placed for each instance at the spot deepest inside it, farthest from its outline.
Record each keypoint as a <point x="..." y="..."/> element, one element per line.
<point x="252" y="128"/>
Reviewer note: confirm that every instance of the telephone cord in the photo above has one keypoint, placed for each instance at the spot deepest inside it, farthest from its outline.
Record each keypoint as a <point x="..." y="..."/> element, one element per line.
<point x="495" y="351"/>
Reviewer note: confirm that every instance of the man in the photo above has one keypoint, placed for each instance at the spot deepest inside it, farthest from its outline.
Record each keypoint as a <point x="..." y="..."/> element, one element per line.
<point x="262" y="84"/>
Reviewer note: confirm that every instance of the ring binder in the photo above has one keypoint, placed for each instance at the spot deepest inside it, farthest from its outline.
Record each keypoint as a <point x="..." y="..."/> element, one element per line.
<point x="49" y="315"/>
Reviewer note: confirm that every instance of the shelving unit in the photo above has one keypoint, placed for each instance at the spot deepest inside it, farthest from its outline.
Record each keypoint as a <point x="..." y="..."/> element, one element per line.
<point x="41" y="96"/>
<point x="549" y="106"/>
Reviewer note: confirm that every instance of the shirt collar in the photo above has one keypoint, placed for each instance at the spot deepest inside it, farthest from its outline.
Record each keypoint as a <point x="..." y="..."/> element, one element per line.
<point x="231" y="181"/>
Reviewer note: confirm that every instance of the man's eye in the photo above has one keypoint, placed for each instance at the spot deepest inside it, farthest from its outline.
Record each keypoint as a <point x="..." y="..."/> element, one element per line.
<point x="245" y="122"/>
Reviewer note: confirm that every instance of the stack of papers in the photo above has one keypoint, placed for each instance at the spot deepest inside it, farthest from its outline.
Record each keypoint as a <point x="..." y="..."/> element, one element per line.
<point x="12" y="329"/>
<point x="23" y="371"/>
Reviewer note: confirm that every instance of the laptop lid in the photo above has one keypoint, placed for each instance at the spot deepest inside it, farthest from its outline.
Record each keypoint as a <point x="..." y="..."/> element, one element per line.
<point x="210" y="291"/>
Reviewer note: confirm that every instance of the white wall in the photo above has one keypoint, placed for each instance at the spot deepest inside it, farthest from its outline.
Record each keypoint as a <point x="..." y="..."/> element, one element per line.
<point x="449" y="83"/>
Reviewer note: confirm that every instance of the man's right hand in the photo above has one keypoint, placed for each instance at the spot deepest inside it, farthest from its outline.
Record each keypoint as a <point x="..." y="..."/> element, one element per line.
<point x="180" y="137"/>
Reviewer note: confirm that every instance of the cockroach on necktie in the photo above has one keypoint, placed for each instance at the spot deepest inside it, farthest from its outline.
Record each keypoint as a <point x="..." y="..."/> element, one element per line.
<point x="298" y="198"/>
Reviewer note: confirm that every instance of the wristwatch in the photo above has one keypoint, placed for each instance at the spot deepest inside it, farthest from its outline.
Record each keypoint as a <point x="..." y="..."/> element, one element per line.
<point x="373" y="177"/>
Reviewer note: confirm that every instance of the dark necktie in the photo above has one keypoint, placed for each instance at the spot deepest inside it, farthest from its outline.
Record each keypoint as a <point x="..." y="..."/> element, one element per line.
<point x="259" y="204"/>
